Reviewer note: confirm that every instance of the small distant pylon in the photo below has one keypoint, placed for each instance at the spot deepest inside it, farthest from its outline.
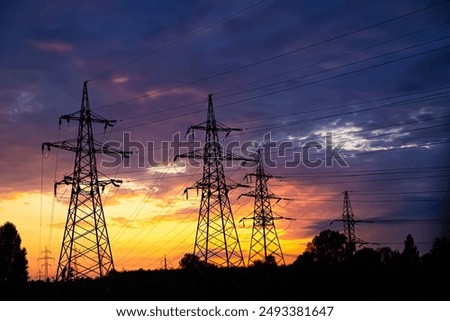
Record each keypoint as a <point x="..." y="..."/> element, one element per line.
<point x="265" y="245"/>
<point x="46" y="265"/>
<point x="349" y="220"/>
<point x="216" y="239"/>
<point x="85" y="226"/>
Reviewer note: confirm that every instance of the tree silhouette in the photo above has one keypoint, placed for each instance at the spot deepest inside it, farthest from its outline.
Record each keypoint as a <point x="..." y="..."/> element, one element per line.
<point x="306" y="259"/>
<point x="191" y="261"/>
<point x="410" y="254"/>
<point x="328" y="247"/>
<point x="269" y="261"/>
<point x="367" y="257"/>
<point x="13" y="261"/>
<point x="388" y="256"/>
<point x="440" y="253"/>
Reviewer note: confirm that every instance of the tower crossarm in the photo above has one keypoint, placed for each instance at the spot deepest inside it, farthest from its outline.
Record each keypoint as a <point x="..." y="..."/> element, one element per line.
<point x="192" y="154"/>
<point x="267" y="196"/>
<point x="201" y="185"/>
<point x="203" y="126"/>
<point x="69" y="146"/>
<point x="249" y="177"/>
<point x="200" y="155"/>
<point x="77" y="116"/>
<point x="68" y="180"/>
<point x="64" y="145"/>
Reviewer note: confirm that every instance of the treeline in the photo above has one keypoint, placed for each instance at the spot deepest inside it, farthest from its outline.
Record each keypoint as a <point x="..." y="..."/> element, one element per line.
<point x="327" y="270"/>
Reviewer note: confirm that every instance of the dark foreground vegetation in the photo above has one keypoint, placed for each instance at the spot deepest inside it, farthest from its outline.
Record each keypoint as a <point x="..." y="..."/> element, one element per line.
<point x="345" y="281"/>
<point x="325" y="271"/>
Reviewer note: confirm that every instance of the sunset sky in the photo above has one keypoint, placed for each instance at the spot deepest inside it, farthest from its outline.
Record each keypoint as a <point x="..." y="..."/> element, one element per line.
<point x="372" y="74"/>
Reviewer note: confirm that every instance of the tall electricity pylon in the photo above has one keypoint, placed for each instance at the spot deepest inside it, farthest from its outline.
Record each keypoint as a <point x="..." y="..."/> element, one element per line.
<point x="46" y="258"/>
<point x="349" y="220"/>
<point x="85" y="250"/>
<point x="265" y="245"/>
<point x="216" y="240"/>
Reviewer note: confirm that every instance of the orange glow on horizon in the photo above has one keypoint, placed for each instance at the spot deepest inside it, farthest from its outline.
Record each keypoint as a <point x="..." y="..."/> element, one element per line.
<point x="148" y="232"/>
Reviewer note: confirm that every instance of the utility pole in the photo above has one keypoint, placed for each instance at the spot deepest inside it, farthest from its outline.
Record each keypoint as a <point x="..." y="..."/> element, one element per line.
<point x="349" y="220"/>
<point x="216" y="239"/>
<point x="85" y="228"/>
<point x="46" y="264"/>
<point x="265" y="245"/>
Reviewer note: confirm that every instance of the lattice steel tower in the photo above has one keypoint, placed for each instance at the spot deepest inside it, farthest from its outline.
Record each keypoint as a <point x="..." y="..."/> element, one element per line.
<point x="349" y="220"/>
<point x="216" y="239"/>
<point x="85" y="250"/>
<point x="264" y="243"/>
<point x="46" y="258"/>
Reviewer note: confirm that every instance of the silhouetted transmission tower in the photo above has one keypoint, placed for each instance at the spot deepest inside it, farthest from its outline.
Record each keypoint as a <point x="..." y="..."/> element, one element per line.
<point x="216" y="239"/>
<point x="264" y="243"/>
<point x="85" y="249"/>
<point x="46" y="258"/>
<point x="349" y="220"/>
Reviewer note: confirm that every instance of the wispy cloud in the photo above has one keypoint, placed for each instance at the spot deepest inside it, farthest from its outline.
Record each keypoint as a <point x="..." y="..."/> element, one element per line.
<point x="120" y="80"/>
<point x="54" y="46"/>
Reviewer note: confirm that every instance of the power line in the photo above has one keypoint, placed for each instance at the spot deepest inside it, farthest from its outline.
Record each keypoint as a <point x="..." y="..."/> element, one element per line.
<point x="350" y="105"/>
<point x="359" y="173"/>
<point x="289" y="71"/>
<point x="369" y="180"/>
<point x="158" y="218"/>
<point x="430" y="97"/>
<point x="290" y="88"/>
<point x="388" y="105"/>
<point x="276" y="56"/>
<point x="383" y="149"/>
<point x="174" y="236"/>
<point x="352" y="140"/>
<point x="141" y="205"/>
<point x="351" y="132"/>
<point x="293" y="70"/>
<point x="372" y="201"/>
<point x="338" y="67"/>
<point x="170" y="44"/>
<point x="316" y="176"/>
<point x="369" y="193"/>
